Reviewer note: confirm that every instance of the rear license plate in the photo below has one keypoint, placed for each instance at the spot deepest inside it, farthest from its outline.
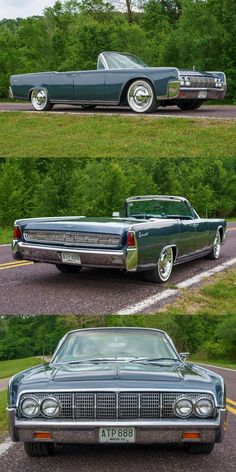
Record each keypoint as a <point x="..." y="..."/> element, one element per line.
<point x="202" y="94"/>
<point x="117" y="435"/>
<point x="68" y="258"/>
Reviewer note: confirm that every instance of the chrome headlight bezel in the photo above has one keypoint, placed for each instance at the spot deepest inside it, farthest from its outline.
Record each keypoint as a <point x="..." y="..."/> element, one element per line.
<point x="187" y="81"/>
<point x="57" y="406"/>
<point x="37" y="406"/>
<point x="197" y="408"/>
<point x="183" y="399"/>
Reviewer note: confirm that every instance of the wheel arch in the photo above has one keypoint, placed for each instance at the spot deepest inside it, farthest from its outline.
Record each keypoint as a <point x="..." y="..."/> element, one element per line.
<point x="37" y="88"/>
<point x="221" y="231"/>
<point x="174" y="250"/>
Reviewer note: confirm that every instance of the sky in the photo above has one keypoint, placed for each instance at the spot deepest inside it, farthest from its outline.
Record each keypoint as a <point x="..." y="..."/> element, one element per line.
<point x="23" y="8"/>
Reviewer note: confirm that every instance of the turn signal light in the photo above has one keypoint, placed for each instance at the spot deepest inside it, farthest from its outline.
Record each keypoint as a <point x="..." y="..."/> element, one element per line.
<point x="17" y="232"/>
<point x="42" y="435"/>
<point x="191" y="435"/>
<point x="131" y="239"/>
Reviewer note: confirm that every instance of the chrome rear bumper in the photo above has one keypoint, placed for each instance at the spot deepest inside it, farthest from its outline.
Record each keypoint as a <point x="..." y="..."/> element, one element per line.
<point x="147" y="432"/>
<point x="104" y="258"/>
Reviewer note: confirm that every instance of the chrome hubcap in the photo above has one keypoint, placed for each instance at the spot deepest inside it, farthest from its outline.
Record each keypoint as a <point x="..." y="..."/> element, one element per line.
<point x="39" y="99"/>
<point x="140" y="96"/>
<point x="165" y="264"/>
<point x="217" y="245"/>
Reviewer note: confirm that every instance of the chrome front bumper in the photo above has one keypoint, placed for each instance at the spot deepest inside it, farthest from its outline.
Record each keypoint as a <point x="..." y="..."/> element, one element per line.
<point x="188" y="93"/>
<point x="147" y="432"/>
<point x="104" y="258"/>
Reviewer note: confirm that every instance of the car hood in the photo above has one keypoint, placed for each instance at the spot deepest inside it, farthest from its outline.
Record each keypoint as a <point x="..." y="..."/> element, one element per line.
<point x="53" y="377"/>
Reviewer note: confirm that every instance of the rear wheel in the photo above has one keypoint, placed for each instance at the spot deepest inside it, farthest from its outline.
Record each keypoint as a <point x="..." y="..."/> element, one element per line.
<point x="189" y="104"/>
<point x="216" y="247"/>
<point x="141" y="97"/>
<point x="40" y="101"/>
<point x="68" y="269"/>
<point x="163" y="270"/>
<point x="199" y="448"/>
<point x="39" y="449"/>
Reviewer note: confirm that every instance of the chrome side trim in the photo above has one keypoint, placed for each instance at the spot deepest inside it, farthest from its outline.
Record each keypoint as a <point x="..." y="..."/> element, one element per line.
<point x="10" y="93"/>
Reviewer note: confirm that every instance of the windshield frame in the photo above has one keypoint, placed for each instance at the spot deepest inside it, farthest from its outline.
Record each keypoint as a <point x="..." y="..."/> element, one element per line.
<point x="114" y="330"/>
<point x="138" y="63"/>
<point x="193" y="214"/>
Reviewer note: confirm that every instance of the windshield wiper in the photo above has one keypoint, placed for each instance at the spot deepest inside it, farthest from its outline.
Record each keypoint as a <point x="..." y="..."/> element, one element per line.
<point x="93" y="360"/>
<point x="154" y="360"/>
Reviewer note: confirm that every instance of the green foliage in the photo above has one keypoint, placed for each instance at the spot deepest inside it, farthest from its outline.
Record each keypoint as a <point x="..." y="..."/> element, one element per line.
<point x="71" y="34"/>
<point x="70" y="186"/>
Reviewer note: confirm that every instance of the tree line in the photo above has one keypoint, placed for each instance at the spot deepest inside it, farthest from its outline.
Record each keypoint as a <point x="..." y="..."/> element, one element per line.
<point x="95" y="187"/>
<point x="205" y="336"/>
<point x="70" y="35"/>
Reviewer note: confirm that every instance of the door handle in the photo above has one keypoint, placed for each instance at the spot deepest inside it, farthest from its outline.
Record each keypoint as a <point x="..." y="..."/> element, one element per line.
<point x="195" y="225"/>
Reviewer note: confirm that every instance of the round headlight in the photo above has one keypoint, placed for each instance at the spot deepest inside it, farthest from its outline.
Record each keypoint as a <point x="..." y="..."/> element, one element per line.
<point x="182" y="81"/>
<point x="204" y="407"/>
<point x="188" y="81"/>
<point x="50" y="407"/>
<point x="30" y="407"/>
<point x="183" y="407"/>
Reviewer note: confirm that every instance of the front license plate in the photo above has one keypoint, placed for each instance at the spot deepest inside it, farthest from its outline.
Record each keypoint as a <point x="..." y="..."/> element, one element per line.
<point x="68" y="258"/>
<point x="202" y="94"/>
<point x="117" y="435"/>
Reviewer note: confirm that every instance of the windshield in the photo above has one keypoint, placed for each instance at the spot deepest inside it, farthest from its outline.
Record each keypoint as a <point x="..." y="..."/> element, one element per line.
<point x="92" y="345"/>
<point x="117" y="60"/>
<point x="159" y="209"/>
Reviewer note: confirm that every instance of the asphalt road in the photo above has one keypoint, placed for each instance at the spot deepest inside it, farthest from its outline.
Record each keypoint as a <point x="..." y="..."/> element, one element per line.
<point x="133" y="458"/>
<point x="206" y="111"/>
<point x="27" y="288"/>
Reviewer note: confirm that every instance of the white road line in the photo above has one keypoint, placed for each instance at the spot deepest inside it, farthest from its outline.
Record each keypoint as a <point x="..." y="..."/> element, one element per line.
<point x="5" y="446"/>
<point x="5" y="245"/>
<point x="138" y="307"/>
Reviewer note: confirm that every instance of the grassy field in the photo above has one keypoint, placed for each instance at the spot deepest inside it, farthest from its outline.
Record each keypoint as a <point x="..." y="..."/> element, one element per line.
<point x="3" y="413"/>
<point x="12" y="367"/>
<point x="6" y="234"/>
<point x="215" y="297"/>
<point x="69" y="135"/>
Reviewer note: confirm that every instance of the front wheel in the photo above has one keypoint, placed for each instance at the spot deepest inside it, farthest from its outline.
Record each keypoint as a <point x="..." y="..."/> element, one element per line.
<point x="199" y="448"/>
<point x="190" y="104"/>
<point x="163" y="270"/>
<point x="141" y="97"/>
<point x="68" y="269"/>
<point x="40" y="101"/>
<point x="216" y="247"/>
<point x="39" y="449"/>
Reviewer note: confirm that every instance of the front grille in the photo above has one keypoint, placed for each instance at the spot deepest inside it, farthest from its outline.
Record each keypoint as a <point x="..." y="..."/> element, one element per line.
<point x="121" y="406"/>
<point x="201" y="81"/>
<point x="72" y="238"/>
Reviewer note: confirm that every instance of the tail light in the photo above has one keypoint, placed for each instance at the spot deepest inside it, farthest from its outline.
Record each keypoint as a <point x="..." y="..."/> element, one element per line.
<point x="17" y="232"/>
<point x="131" y="240"/>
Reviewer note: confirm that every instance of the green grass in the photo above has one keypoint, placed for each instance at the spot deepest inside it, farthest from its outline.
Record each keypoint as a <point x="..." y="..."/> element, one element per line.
<point x="6" y="234"/>
<point x="12" y="367"/>
<point x="69" y="135"/>
<point x="215" y="297"/>
<point x="3" y="413"/>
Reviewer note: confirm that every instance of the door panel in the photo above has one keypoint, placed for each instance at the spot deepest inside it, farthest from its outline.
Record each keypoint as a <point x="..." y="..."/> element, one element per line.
<point x="202" y="236"/>
<point x="187" y="239"/>
<point x="89" y="86"/>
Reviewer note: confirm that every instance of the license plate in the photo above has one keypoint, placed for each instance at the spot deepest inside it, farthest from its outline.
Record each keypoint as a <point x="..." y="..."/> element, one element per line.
<point x="68" y="258"/>
<point x="202" y="94"/>
<point x="117" y="435"/>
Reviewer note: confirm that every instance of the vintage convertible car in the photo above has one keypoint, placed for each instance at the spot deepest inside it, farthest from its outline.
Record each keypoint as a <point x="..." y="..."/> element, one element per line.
<point x="117" y="385"/>
<point x="154" y="233"/>
<point x="120" y="79"/>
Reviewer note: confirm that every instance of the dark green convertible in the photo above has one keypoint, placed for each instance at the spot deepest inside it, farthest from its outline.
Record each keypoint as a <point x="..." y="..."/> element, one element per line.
<point x="152" y="234"/>
<point x="120" y="79"/>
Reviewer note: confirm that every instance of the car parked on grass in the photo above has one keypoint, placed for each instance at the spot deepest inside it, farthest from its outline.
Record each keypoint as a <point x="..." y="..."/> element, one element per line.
<point x="152" y="234"/>
<point x="117" y="386"/>
<point x="120" y="79"/>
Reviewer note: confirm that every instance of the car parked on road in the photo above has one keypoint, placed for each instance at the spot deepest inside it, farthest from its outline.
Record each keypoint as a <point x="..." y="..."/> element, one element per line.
<point x="117" y="386"/>
<point x="152" y="234"/>
<point x="120" y="79"/>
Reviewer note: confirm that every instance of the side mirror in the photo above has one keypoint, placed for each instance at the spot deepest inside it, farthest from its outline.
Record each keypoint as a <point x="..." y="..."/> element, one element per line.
<point x="116" y="214"/>
<point x="184" y="356"/>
